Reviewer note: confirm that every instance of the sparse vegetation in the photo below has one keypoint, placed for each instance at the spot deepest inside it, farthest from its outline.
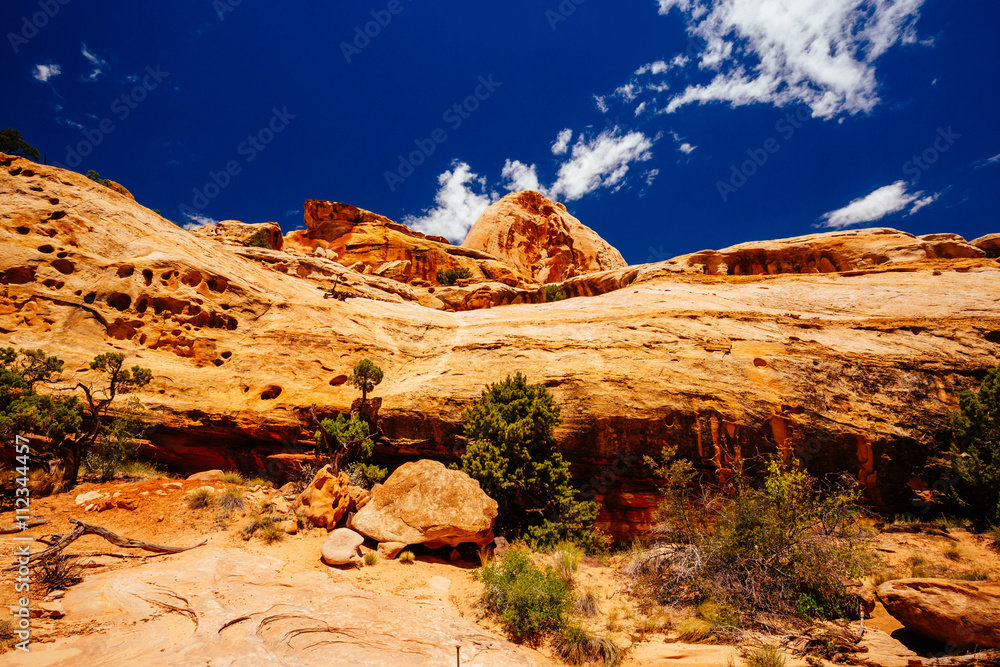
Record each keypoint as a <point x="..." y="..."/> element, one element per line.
<point x="577" y="646"/>
<point x="270" y="530"/>
<point x="232" y="477"/>
<point x="764" y="656"/>
<point x="231" y="499"/>
<point x="783" y="548"/>
<point x="527" y="601"/>
<point x="586" y="603"/>
<point x="370" y="559"/>
<point x="407" y="557"/>
<point x="200" y="498"/>
<point x="58" y="572"/>
<point x="452" y="276"/>
<point x="344" y="438"/>
<point x="7" y="635"/>
<point x="512" y="454"/>
<point x="365" y="475"/>
<point x="118" y="442"/>
<point x="12" y="143"/>
<point x="555" y="293"/>
<point x="365" y="376"/>
<point x="260" y="239"/>
<point x="975" y="451"/>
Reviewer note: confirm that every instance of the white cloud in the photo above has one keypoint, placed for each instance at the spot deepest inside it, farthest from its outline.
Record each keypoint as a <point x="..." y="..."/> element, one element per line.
<point x="459" y="204"/>
<point x="601" y="103"/>
<point x="520" y="176"/>
<point x="195" y="220"/>
<point x="640" y="109"/>
<point x="659" y="67"/>
<point x="818" y="52"/>
<point x="95" y="60"/>
<point x="600" y="163"/>
<point x="885" y="201"/>
<point x="988" y="161"/>
<point x="45" y="72"/>
<point x="686" y="148"/>
<point x="651" y="176"/>
<point x="562" y="142"/>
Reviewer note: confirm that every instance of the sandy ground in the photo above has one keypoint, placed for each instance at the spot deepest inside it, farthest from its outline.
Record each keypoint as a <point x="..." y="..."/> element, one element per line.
<point x="162" y="516"/>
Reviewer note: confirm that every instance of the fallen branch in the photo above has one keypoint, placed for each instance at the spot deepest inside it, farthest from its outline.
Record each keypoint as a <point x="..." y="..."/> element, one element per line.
<point x="16" y="529"/>
<point x="62" y="541"/>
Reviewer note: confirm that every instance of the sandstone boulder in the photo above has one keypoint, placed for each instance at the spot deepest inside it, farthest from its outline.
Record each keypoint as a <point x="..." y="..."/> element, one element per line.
<point x="990" y="244"/>
<point x="234" y="232"/>
<point x="963" y="613"/>
<point x="326" y="499"/>
<point x="389" y="550"/>
<point x="343" y="547"/>
<point x="423" y="502"/>
<point x="207" y="476"/>
<point x="541" y="239"/>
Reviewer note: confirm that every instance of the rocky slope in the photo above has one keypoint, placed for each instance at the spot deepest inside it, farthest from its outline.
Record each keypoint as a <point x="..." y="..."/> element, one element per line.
<point x="854" y="369"/>
<point x="541" y="239"/>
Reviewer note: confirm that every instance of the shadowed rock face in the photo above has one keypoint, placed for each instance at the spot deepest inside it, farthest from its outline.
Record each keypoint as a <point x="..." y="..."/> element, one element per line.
<point x="229" y="606"/>
<point x="963" y="613"/>
<point x="541" y="239"/>
<point x="854" y="370"/>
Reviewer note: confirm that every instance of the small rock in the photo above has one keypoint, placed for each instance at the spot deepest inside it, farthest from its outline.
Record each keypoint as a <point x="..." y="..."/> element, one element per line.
<point x="160" y="518"/>
<point x="207" y="476"/>
<point x="174" y="485"/>
<point x="116" y="494"/>
<point x="290" y="527"/>
<point x="342" y="547"/>
<point x="500" y="545"/>
<point x="90" y="508"/>
<point x="94" y="562"/>
<point x="389" y="550"/>
<point x="161" y="492"/>
<point x="86" y="498"/>
<point x="288" y="489"/>
<point x="144" y="493"/>
<point x="48" y="610"/>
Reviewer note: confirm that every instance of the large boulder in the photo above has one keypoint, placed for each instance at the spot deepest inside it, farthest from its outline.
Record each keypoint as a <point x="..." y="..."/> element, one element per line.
<point x="423" y="502"/>
<point x="326" y="499"/>
<point x="541" y="239"/>
<point x="990" y="244"/>
<point x="234" y="232"/>
<point x="963" y="613"/>
<point x="343" y="547"/>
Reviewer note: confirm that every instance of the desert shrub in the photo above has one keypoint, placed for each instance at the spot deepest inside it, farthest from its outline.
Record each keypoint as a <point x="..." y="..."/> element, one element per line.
<point x="566" y="560"/>
<point x="138" y="469"/>
<point x="527" y="601"/>
<point x="344" y="437"/>
<point x="259" y="481"/>
<point x="365" y="475"/>
<point x="694" y="630"/>
<point x="303" y="476"/>
<point x="270" y="530"/>
<point x="783" y="547"/>
<point x="452" y="276"/>
<point x="200" y="498"/>
<point x="57" y="572"/>
<point x="260" y="239"/>
<point x="579" y="647"/>
<point x="96" y="177"/>
<point x="12" y="143"/>
<point x="975" y="451"/>
<point x="512" y="454"/>
<point x="250" y="529"/>
<point x="232" y="477"/>
<point x="407" y="557"/>
<point x="370" y="559"/>
<point x="586" y="603"/>
<point x="118" y="442"/>
<point x="764" y="656"/>
<point x="231" y="499"/>
<point x="365" y="376"/>
<point x="555" y="293"/>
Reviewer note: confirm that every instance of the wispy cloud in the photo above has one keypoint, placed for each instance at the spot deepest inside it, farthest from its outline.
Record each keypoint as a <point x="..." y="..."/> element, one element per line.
<point x="821" y="53"/>
<point x="884" y="201"/>
<point x="987" y="162"/>
<point x="460" y="200"/>
<point x="45" y="72"/>
<point x="195" y="220"/>
<point x="96" y="62"/>
<point x="292" y="211"/>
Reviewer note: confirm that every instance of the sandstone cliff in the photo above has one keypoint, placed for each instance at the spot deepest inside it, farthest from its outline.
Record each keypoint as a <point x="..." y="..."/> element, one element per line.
<point x="541" y="239"/>
<point x="854" y="369"/>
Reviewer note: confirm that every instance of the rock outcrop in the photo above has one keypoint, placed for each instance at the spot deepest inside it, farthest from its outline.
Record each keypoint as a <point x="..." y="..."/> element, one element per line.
<point x="423" y="502"/>
<point x="855" y="370"/>
<point x="373" y="244"/>
<point x="963" y="613"/>
<point x="541" y="239"/>
<point x="326" y="499"/>
<point x="216" y="606"/>
<point x="233" y="232"/>
<point x="343" y="547"/>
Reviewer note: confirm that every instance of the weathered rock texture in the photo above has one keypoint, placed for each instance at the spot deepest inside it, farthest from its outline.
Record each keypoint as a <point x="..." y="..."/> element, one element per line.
<point x="423" y="502"/>
<point x="855" y="370"/>
<point x="227" y="607"/>
<point x="343" y="547"/>
<point x="541" y="239"/>
<point x="326" y="499"/>
<point x="373" y="244"/>
<point x="233" y="232"/>
<point x="963" y="613"/>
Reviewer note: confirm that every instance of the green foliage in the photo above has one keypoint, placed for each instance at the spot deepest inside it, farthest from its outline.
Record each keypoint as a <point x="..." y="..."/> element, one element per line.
<point x="512" y="454"/>
<point x="94" y="176"/>
<point x="975" y="451"/>
<point x="270" y="530"/>
<point x="260" y="239"/>
<point x="365" y="475"/>
<point x="370" y="559"/>
<point x="365" y="376"/>
<point x="579" y="647"/>
<point x="12" y="143"/>
<point x="527" y="601"/>
<point x="783" y="548"/>
<point x="764" y="656"/>
<point x="555" y="293"/>
<point x="23" y="410"/>
<point x="118" y="442"/>
<point x="231" y="499"/>
<point x="344" y="438"/>
<point x="452" y="276"/>
<point x="407" y="557"/>
<point x="232" y="477"/>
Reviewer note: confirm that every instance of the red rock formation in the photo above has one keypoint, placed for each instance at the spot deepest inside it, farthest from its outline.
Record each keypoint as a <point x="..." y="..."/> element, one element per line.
<point x="233" y="232"/>
<point x="541" y="239"/>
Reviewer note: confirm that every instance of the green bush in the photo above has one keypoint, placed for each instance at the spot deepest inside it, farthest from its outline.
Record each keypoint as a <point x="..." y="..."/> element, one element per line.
<point x="365" y="475"/>
<point x="233" y="477"/>
<point x="452" y="276"/>
<point x="527" y="601"/>
<point x="365" y="376"/>
<point x="785" y="547"/>
<point x="975" y="451"/>
<point x="555" y="293"/>
<point x="407" y="557"/>
<point x="260" y="239"/>
<point x="12" y="143"/>
<point x="370" y="559"/>
<point x="512" y="454"/>
<point x="118" y="442"/>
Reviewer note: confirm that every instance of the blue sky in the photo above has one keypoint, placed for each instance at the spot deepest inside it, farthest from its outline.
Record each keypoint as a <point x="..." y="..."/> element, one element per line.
<point x="668" y="126"/>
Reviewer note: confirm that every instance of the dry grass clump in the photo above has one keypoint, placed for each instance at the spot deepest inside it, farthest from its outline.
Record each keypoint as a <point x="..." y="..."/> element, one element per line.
<point x="764" y="656"/>
<point x="270" y="530"/>
<point x="200" y="498"/>
<point x="580" y="647"/>
<point x="586" y="603"/>
<point x="370" y="559"/>
<point x="232" y="477"/>
<point x="57" y="573"/>
<point x="407" y="557"/>
<point x="231" y="499"/>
